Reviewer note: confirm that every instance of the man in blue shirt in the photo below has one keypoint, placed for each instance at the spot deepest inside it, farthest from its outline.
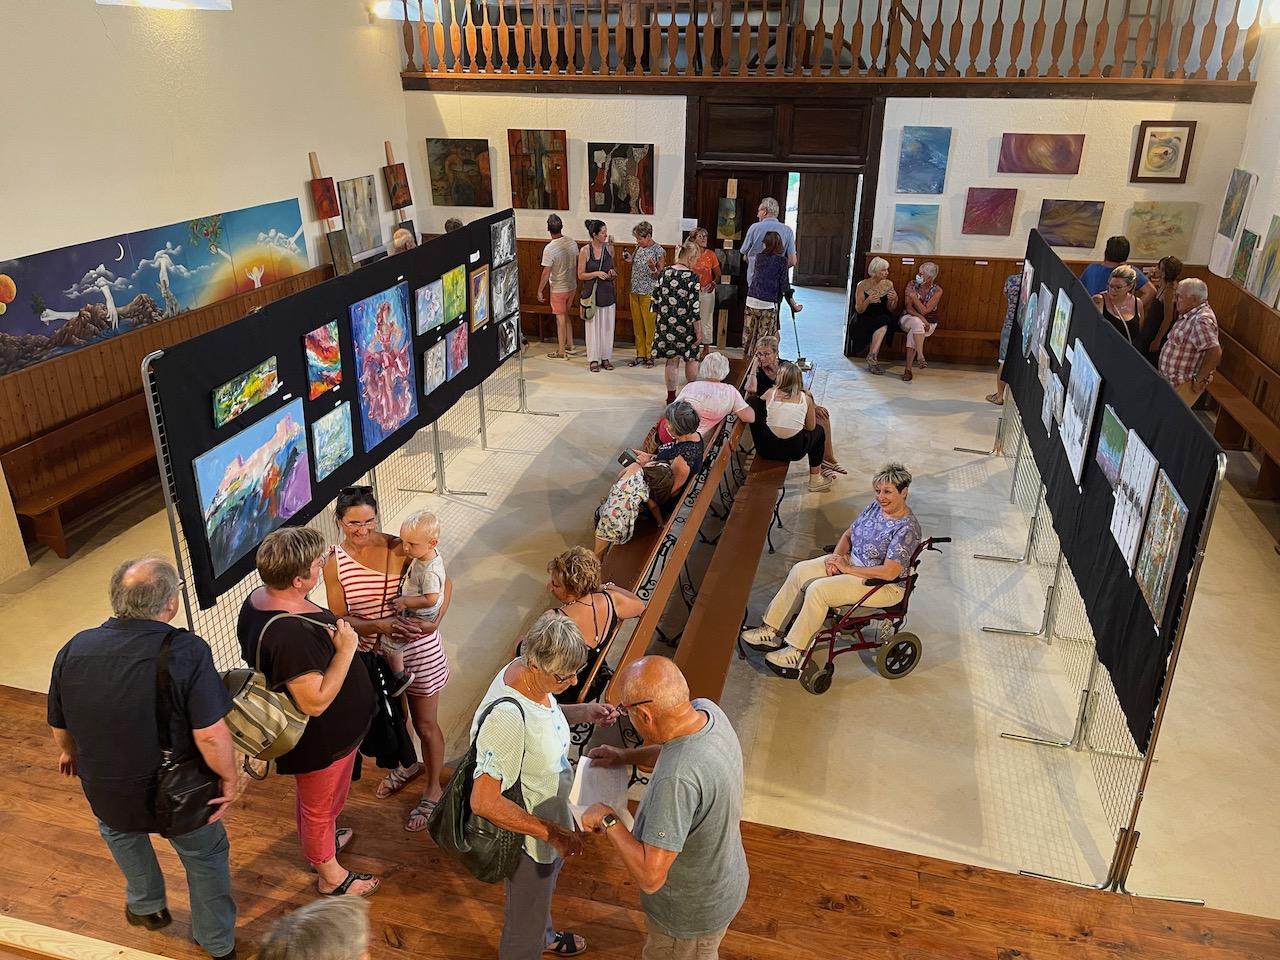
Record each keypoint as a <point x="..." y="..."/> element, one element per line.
<point x="1096" y="275"/>
<point x="753" y="242"/>
<point x="102" y="710"/>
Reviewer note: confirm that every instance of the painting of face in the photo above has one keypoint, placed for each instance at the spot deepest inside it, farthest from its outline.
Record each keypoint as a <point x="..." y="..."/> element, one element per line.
<point x="385" y="375"/>
<point x="729" y="219"/>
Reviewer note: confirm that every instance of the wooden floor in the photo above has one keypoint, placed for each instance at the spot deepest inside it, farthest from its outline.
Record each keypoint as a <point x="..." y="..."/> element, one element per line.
<point x="811" y="897"/>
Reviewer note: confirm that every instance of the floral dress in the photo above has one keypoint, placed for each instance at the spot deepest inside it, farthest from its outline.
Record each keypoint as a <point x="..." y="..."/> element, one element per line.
<point x="675" y="308"/>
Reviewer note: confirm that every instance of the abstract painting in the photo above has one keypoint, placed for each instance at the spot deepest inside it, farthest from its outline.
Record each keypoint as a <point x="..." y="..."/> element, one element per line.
<point x="397" y="181"/>
<point x="1244" y="256"/>
<point x="1070" y="223"/>
<point x="331" y="442"/>
<point x="1166" y="522"/>
<point x="922" y="159"/>
<point x="1133" y="492"/>
<point x="988" y="211"/>
<point x="384" y="364"/>
<point x="506" y="291"/>
<point x="1081" y="402"/>
<point x="1061" y="321"/>
<point x="455" y="353"/>
<point x="508" y="337"/>
<point x="1029" y="318"/>
<point x="1163" y="152"/>
<point x="502" y="237"/>
<point x="1162" y="228"/>
<point x="324" y="359"/>
<point x="1059" y="394"/>
<point x="1043" y="373"/>
<point x="539" y="169"/>
<point x="729" y="219"/>
<point x="1048" y="405"/>
<point x="1238" y="189"/>
<point x="429" y="301"/>
<point x="252" y="483"/>
<point x="915" y="228"/>
<point x="455" y="293"/>
<point x="340" y="252"/>
<point x="1266" y="276"/>
<point x="1111" y="443"/>
<point x="325" y="196"/>
<point x="460" y="173"/>
<point x="245" y="391"/>
<point x="360" y="217"/>
<point x="433" y="368"/>
<point x="479" y="297"/>
<point x="1041" y="153"/>
<point x="620" y="177"/>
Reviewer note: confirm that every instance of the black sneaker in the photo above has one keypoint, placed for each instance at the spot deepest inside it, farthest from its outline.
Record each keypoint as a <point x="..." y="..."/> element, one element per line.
<point x="400" y="682"/>
<point x="227" y="956"/>
<point x="152" y="921"/>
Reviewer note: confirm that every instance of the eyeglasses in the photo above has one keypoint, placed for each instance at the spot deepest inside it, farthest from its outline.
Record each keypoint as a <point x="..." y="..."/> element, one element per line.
<point x="357" y="524"/>
<point x="624" y="709"/>
<point x="565" y="679"/>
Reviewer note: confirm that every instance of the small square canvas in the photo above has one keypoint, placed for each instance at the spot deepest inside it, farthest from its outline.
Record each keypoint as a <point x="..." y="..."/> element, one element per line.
<point x="479" y="297"/>
<point x="245" y="391"/>
<point x="1163" y="151"/>
<point x="397" y="186"/>
<point x="988" y="211"/>
<point x="325" y="196"/>
<point x="433" y="375"/>
<point x="385" y="378"/>
<point x="1061" y="321"/>
<point x="508" y="337"/>
<point x="1244" y="256"/>
<point x="915" y="228"/>
<point x="1058" y="153"/>
<point x="455" y="293"/>
<point x="1266" y="276"/>
<point x="539" y="169"/>
<point x="324" y="359"/>
<point x="360" y="217"/>
<point x="506" y="291"/>
<point x="502" y="237"/>
<point x="331" y="443"/>
<point x="1162" y="228"/>
<point x="456" y="351"/>
<point x="1111" y="442"/>
<point x="340" y="253"/>
<point x="1070" y="223"/>
<point x="1166" y="522"/>
<point x="460" y="172"/>
<point x="922" y="159"/>
<point x="729" y="219"/>
<point x="429" y="304"/>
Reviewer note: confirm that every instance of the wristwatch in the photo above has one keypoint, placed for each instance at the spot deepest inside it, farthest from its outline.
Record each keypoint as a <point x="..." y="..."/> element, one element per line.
<point x="607" y="821"/>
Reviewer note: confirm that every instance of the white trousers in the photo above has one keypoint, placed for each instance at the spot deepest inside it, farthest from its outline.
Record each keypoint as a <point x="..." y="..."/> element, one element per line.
<point x="707" y="316"/>
<point x="600" y="334"/>
<point x="817" y="593"/>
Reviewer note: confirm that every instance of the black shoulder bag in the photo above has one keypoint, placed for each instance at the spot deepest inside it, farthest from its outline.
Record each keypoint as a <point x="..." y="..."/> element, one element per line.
<point x="183" y="787"/>
<point x="488" y="851"/>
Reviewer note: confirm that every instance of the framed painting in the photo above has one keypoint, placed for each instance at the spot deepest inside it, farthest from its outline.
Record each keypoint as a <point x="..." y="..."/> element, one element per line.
<point x="1163" y="151"/>
<point x="456" y="351"/>
<point x="325" y="196"/>
<point x="385" y="376"/>
<point x="915" y="228"/>
<point x="1162" y="228"/>
<point x="988" y="211"/>
<point x="433" y="368"/>
<point x="1070" y="223"/>
<point x="460" y="172"/>
<point x="455" y="293"/>
<point x="922" y="159"/>
<point x="397" y="186"/>
<point x="479" y="297"/>
<point x="245" y="391"/>
<point x="502" y="237"/>
<point x="1166" y="522"/>
<point x="539" y="169"/>
<point x="331" y="443"/>
<point x="729" y="219"/>
<point x="1058" y="153"/>
<point x="1244" y="256"/>
<point x="324" y="359"/>
<point x="620" y="177"/>
<point x="360" y="217"/>
<point x="429" y="306"/>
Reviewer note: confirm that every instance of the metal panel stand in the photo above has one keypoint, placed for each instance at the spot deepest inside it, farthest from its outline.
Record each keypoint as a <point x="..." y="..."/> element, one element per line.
<point x="1029" y="547"/>
<point x="524" y="395"/>
<point x="995" y="444"/>
<point x="1050" y="602"/>
<point x="442" y="487"/>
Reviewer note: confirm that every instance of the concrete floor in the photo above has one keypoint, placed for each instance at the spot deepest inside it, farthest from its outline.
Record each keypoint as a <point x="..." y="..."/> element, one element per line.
<point x="915" y="764"/>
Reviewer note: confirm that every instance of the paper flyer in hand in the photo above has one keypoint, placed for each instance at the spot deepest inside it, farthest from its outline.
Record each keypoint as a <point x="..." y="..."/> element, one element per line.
<point x="593" y="784"/>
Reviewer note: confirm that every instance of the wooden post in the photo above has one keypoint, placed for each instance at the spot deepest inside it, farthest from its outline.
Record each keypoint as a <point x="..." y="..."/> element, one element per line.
<point x="391" y="154"/>
<point x="722" y="317"/>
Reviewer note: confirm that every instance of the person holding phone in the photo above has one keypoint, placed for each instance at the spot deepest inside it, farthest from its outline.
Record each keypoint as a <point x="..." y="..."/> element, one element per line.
<point x="599" y="295"/>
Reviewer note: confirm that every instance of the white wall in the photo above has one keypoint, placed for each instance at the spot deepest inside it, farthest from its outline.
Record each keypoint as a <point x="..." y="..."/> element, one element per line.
<point x="120" y="118"/>
<point x="1261" y="150"/>
<point x="1110" y="129"/>
<point x="656" y="120"/>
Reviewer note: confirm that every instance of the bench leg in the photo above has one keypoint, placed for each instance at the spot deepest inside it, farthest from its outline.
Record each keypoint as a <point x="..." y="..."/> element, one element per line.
<point x="1228" y="432"/>
<point x="49" y="531"/>
<point x="1269" y="479"/>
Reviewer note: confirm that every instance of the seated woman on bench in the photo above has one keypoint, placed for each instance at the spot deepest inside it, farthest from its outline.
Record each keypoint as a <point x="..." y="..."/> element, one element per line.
<point x="877" y="546"/>
<point x="764" y="375"/>
<point x="786" y="426"/>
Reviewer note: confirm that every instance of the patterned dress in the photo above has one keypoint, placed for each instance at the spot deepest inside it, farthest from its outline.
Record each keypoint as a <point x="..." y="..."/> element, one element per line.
<point x="675" y="306"/>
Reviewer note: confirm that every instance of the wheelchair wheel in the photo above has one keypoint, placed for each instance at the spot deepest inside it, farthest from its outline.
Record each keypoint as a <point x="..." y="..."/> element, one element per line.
<point x="899" y="656"/>
<point x="815" y="679"/>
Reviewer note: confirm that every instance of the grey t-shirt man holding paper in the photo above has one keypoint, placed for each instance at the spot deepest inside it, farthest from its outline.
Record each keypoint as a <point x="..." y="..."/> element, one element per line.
<point x="685" y="850"/>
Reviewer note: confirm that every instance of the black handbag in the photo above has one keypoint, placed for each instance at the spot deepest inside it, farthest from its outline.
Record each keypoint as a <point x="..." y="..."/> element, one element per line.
<point x="183" y="787"/>
<point x="491" y="853"/>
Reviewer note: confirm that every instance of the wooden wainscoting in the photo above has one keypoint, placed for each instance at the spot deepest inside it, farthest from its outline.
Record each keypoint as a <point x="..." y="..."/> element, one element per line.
<point x="1250" y="336"/>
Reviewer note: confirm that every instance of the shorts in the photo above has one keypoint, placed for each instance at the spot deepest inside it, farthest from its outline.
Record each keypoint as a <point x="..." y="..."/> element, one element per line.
<point x="424" y="658"/>
<point x="560" y="302"/>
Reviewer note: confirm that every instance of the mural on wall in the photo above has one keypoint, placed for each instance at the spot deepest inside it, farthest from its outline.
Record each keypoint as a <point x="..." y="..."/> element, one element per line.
<point x="1163" y="151"/>
<point x="915" y="228"/>
<point x="922" y="159"/>
<point x="385" y="376"/>
<point x="397" y="185"/>
<point x="620" y="176"/>
<point x="61" y="300"/>
<point x="1162" y="228"/>
<point x="1058" y="153"/>
<point x="1070" y="223"/>
<point x="460" y="173"/>
<point x="539" y="169"/>
<point x="360" y="217"/>
<point x="988" y="211"/>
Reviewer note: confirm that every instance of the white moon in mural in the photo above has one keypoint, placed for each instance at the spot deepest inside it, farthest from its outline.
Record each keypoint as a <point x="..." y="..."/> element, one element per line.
<point x="121" y="246"/>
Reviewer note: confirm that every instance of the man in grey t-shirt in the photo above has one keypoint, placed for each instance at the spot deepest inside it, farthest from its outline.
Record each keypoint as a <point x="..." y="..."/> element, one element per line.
<point x="753" y="242"/>
<point x="685" y="851"/>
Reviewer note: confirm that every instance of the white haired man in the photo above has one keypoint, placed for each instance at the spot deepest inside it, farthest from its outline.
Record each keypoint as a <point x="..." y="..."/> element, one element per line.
<point x="753" y="242"/>
<point x="1191" y="351"/>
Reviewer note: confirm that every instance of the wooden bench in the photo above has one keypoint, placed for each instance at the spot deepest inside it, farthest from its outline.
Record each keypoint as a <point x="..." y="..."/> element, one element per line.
<point x="1238" y="421"/>
<point x="50" y="471"/>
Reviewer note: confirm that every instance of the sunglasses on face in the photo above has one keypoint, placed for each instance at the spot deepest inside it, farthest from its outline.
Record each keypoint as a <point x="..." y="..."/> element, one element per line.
<point x="624" y="709"/>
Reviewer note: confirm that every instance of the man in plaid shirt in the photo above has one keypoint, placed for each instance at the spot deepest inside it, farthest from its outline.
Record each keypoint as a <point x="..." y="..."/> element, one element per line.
<point x="1191" y="352"/>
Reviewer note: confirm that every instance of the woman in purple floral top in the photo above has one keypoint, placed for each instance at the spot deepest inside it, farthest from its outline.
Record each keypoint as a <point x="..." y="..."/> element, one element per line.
<point x="877" y="546"/>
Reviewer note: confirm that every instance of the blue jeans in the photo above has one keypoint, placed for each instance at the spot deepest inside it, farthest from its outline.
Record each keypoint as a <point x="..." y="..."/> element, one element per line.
<point x="204" y="854"/>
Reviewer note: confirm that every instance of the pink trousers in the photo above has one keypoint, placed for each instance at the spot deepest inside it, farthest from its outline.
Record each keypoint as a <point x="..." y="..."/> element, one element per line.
<point x="321" y="796"/>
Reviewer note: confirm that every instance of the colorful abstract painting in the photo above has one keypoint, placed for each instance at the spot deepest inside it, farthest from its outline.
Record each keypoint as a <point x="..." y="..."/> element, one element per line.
<point x="455" y="351"/>
<point x="915" y="228"/>
<point x="1070" y="223"/>
<point x="1058" y="153"/>
<point x="245" y="391"/>
<point x="455" y="293"/>
<point x="502" y="241"/>
<point x="1238" y="189"/>
<point x="1163" y="151"/>
<point x="360" y="217"/>
<point x="922" y="159"/>
<point x="331" y="443"/>
<point x="252" y="483"/>
<point x="620" y="177"/>
<point x="506" y="291"/>
<point x="433" y="368"/>
<point x="1244" y="256"/>
<point x="1133" y="492"/>
<point x="1166" y="522"/>
<point x="429" y="304"/>
<point x="729" y="219"/>
<point x="385" y="375"/>
<point x="479" y="297"/>
<point x="1111" y="442"/>
<point x="325" y="197"/>
<point x="324" y="359"/>
<point x="508" y="337"/>
<point x="1061" y="322"/>
<point x="1266" y="276"/>
<point x="988" y="211"/>
<point x="539" y="169"/>
<point x="1081" y="403"/>
<point x="1162" y="228"/>
<point x="397" y="180"/>
<point x="460" y="172"/>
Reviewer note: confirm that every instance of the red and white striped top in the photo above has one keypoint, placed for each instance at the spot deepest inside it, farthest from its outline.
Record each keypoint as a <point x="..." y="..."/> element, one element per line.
<point x="368" y="592"/>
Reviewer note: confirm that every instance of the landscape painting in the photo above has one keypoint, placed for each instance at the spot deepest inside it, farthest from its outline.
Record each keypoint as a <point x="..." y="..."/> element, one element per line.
<point x="1162" y="228"/>
<point x="385" y="375"/>
<point x="479" y="297"/>
<point x="1081" y="402"/>
<point x="1244" y="256"/>
<point x="1111" y="442"/>
<point x="433" y="368"/>
<point x="324" y="359"/>
<point x="539" y="169"/>
<point x="397" y="181"/>
<point x="1238" y="189"/>
<point x="252" y="483"/>
<point x="429" y="303"/>
<point x="360" y="217"/>
<point x="988" y="211"/>
<point x="1058" y="153"/>
<point x="620" y="177"/>
<point x="331" y="442"/>
<point x="456" y="351"/>
<point x="915" y="228"/>
<point x="502" y="240"/>
<point x="266" y="251"/>
<point x="1163" y="152"/>
<point x="460" y="172"/>
<point x="325" y="197"/>
<point x="922" y="159"/>
<point x="1266" y="276"/>
<point x="729" y="219"/>
<point x="1070" y="223"/>
<point x="1166" y="522"/>
<point x="455" y="293"/>
<point x="245" y="391"/>
<point x="506" y="291"/>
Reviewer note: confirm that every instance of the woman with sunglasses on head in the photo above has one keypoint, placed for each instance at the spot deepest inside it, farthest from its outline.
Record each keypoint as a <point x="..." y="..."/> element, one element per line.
<point x="528" y="742"/>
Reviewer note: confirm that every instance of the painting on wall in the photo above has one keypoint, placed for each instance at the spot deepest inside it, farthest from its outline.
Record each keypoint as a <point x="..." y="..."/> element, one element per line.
<point x="922" y="159"/>
<point x="360" y="216"/>
<point x="620" y="177"/>
<point x="325" y="197"/>
<point x="502" y="237"/>
<point x="324" y="359"/>
<point x="1162" y="228"/>
<point x="460" y="172"/>
<point x="1111" y="443"/>
<point x="252" y="483"/>
<point x="267" y="242"/>
<point x="455" y="351"/>
<point x="397" y="181"/>
<point x="729" y="219"/>
<point x="340" y="252"/>
<point x="506" y="291"/>
<point x="1238" y="189"/>
<point x="1133" y="493"/>
<point x="1058" y="153"/>
<point x="988" y="211"/>
<point x="479" y="297"/>
<point x="915" y="228"/>
<point x="1244" y="256"/>
<point x="385" y="376"/>
<point x="539" y="169"/>
<point x="1166" y="522"/>
<point x="245" y="391"/>
<point x="1163" y="151"/>
<point x="455" y="293"/>
<point x="1266" y="276"/>
<point x="1061" y="322"/>
<point x="508" y="337"/>
<point x="1081" y="403"/>
<point x="1070" y="223"/>
<point x="433" y="368"/>
<point x="429" y="303"/>
<point x="331" y="442"/>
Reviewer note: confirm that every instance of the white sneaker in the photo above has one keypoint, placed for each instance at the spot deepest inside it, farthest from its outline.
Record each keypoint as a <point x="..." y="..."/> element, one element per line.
<point x="762" y="638"/>
<point x="819" y="483"/>
<point x="785" y="662"/>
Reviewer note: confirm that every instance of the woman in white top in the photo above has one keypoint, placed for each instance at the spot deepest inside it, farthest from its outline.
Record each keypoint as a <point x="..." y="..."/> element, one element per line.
<point x="530" y="743"/>
<point x="786" y="426"/>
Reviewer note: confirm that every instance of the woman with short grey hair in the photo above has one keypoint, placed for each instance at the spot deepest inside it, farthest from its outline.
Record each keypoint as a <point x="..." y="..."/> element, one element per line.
<point x="875" y="301"/>
<point x="522" y="735"/>
<point x="336" y="929"/>
<point x="920" y="302"/>
<point x="711" y="397"/>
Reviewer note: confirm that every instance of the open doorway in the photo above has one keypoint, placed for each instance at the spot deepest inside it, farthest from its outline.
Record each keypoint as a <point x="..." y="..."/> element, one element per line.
<point x="823" y="209"/>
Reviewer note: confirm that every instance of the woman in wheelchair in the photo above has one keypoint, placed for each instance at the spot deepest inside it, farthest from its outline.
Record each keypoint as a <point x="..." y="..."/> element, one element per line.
<point x="877" y="546"/>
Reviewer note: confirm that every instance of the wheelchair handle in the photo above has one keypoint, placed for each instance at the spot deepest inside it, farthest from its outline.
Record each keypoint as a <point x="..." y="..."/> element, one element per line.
<point x="934" y="540"/>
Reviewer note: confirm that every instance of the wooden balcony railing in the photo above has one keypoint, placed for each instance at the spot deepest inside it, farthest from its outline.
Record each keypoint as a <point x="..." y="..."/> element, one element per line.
<point x="1116" y="40"/>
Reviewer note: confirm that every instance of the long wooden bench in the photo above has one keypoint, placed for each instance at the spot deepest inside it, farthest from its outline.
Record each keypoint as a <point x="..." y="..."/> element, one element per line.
<point x="47" y="473"/>
<point x="1239" y="420"/>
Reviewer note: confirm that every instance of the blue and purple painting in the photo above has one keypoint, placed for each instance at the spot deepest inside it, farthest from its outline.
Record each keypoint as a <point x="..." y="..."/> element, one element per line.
<point x="922" y="159"/>
<point x="252" y="483"/>
<point x="384" y="364"/>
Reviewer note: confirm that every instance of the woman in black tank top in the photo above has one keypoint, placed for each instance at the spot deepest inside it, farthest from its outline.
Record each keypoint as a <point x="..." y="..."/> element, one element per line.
<point x="1119" y="304"/>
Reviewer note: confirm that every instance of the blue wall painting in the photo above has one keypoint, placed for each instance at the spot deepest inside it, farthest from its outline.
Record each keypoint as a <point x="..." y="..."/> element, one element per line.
<point x="915" y="228"/>
<point x="922" y="159"/>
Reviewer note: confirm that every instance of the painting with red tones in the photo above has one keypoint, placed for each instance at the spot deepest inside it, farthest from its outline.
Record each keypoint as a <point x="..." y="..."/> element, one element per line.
<point x="620" y="177"/>
<point x="988" y="211"/>
<point x="324" y="359"/>
<point x="1041" y="153"/>
<point x="325" y="196"/>
<point x="456" y="351"/>
<point x="397" y="186"/>
<point x="385" y="375"/>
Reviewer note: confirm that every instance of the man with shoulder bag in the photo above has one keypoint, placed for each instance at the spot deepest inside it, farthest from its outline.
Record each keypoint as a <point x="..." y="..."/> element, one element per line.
<point x="136" y="708"/>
